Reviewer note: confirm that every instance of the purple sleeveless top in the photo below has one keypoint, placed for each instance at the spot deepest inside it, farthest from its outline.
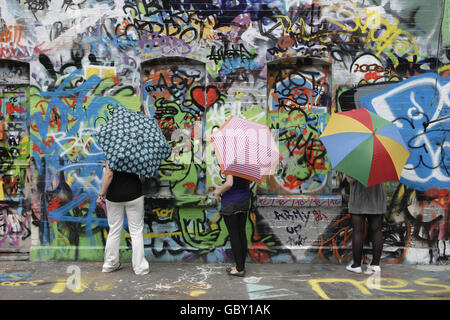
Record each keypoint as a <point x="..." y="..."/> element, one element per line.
<point x="240" y="191"/>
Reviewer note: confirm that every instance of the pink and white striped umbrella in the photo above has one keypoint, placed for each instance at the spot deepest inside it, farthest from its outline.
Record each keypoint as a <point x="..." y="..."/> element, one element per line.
<point x="246" y="149"/>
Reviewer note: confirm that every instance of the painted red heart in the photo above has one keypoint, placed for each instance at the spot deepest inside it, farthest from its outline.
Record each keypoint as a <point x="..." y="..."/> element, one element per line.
<point x="198" y="95"/>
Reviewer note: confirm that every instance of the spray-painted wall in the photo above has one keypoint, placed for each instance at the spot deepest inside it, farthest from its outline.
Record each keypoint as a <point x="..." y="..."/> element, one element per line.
<point x="192" y="64"/>
<point x="15" y="216"/>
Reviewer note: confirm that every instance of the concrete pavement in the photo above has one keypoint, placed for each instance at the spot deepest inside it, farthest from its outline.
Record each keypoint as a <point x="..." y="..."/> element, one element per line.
<point x="69" y="280"/>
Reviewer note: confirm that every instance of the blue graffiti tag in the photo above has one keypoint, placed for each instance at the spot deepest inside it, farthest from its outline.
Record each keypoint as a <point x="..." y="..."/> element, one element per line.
<point x="420" y="108"/>
<point x="85" y="170"/>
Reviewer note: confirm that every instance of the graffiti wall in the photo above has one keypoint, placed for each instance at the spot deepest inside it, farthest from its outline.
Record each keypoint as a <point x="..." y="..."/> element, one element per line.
<point x="15" y="217"/>
<point x="191" y="65"/>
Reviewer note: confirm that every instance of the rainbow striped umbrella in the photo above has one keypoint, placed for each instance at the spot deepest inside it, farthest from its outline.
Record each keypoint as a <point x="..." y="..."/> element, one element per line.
<point x="245" y="149"/>
<point x="365" y="146"/>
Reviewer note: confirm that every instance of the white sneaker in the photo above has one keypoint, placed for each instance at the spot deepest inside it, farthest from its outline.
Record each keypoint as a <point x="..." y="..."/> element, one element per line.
<point x="141" y="273"/>
<point x="107" y="270"/>
<point x="356" y="270"/>
<point x="372" y="269"/>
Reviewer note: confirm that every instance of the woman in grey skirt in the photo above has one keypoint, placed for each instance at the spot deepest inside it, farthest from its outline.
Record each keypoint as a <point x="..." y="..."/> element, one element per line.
<point x="235" y="197"/>
<point x="366" y="202"/>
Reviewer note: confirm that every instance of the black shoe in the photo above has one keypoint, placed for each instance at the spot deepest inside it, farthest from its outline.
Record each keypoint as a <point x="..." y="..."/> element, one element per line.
<point x="237" y="274"/>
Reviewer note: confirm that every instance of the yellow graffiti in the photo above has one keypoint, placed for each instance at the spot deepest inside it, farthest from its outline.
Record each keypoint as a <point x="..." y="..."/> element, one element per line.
<point x="421" y="281"/>
<point x="196" y="293"/>
<point x="163" y="213"/>
<point x="443" y="68"/>
<point x="398" y="283"/>
<point x="157" y="234"/>
<point x="61" y="285"/>
<point x="315" y="285"/>
<point x="370" y="23"/>
<point x="375" y="282"/>
<point x="20" y="283"/>
<point x="187" y="26"/>
<point x="2" y="194"/>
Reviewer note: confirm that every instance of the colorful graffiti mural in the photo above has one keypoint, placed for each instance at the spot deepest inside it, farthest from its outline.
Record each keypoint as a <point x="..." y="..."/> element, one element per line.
<point x="192" y="64"/>
<point x="298" y="104"/>
<point x="15" y="217"/>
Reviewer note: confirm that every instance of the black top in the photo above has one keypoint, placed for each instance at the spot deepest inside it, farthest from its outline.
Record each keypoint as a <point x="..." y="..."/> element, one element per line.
<point x="124" y="187"/>
<point x="239" y="191"/>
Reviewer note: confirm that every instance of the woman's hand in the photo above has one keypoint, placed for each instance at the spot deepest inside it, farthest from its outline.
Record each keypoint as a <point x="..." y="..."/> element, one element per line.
<point x="100" y="199"/>
<point x="224" y="187"/>
<point x="218" y="195"/>
<point x="107" y="178"/>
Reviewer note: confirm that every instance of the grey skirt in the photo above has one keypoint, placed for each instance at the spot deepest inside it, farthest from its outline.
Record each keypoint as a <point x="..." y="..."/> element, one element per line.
<point x="367" y="200"/>
<point x="229" y="208"/>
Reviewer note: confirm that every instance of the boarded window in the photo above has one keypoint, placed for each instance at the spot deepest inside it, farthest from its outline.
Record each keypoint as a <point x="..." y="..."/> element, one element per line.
<point x="173" y="91"/>
<point x="298" y="102"/>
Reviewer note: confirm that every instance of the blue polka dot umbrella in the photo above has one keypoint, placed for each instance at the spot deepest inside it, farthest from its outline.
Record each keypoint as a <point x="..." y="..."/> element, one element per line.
<point x="133" y="142"/>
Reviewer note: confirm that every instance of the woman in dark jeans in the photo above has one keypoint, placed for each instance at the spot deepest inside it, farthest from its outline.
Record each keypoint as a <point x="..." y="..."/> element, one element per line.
<point x="235" y="197"/>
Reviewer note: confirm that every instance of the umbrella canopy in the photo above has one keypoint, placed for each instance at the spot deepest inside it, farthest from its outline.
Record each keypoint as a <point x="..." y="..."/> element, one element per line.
<point x="133" y="142"/>
<point x="245" y="149"/>
<point x="365" y="146"/>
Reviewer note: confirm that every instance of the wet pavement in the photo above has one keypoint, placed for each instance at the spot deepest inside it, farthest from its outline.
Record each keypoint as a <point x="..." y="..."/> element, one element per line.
<point x="69" y="280"/>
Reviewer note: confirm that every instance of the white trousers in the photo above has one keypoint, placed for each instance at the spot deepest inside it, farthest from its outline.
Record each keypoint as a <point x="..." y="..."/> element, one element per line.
<point x="135" y="216"/>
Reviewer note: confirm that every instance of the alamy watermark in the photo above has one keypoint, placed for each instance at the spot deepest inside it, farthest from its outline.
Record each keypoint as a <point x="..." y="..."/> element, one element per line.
<point x="73" y="282"/>
<point x="254" y="146"/>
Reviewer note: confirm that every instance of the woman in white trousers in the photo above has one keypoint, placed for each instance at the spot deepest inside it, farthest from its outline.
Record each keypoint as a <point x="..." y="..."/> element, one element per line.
<point x="123" y="193"/>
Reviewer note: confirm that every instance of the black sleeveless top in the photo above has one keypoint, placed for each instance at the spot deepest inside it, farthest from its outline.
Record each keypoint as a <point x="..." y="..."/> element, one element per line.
<point x="124" y="187"/>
